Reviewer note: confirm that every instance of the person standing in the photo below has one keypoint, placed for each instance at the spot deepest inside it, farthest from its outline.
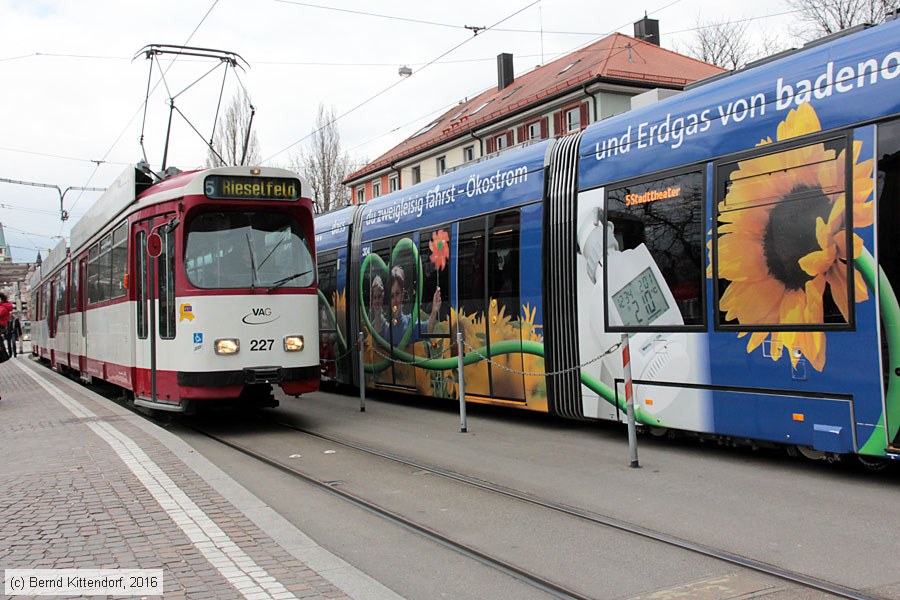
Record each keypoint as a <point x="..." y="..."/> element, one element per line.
<point x="6" y="309"/>
<point x="13" y="333"/>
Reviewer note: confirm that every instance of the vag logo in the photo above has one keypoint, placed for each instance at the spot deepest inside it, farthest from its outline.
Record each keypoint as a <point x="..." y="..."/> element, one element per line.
<point x="259" y="316"/>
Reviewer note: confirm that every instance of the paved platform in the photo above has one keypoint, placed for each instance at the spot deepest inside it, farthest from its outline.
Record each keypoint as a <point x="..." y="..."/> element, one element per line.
<point x="86" y="484"/>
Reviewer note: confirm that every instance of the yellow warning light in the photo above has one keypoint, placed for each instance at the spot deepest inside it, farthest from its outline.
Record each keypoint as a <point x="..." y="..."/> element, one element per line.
<point x="648" y="401"/>
<point x="254" y="171"/>
<point x="799" y="417"/>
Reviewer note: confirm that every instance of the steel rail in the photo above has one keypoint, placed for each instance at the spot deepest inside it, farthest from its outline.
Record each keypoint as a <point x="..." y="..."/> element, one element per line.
<point x="554" y="589"/>
<point x="802" y="579"/>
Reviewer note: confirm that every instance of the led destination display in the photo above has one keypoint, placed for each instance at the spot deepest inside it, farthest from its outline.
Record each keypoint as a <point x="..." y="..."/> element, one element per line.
<point x="236" y="187"/>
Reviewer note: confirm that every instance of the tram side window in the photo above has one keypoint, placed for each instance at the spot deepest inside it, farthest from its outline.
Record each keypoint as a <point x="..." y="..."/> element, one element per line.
<point x="61" y="293"/>
<point x="94" y="274"/>
<point x="657" y="229"/>
<point x="434" y="254"/>
<point x="73" y="287"/>
<point x="775" y="212"/>
<point x="166" y="284"/>
<point x="119" y="259"/>
<point x="328" y="287"/>
<point x="503" y="263"/>
<point x="400" y="289"/>
<point x="104" y="270"/>
<point x="327" y="314"/>
<point x="140" y="287"/>
<point x="45" y="306"/>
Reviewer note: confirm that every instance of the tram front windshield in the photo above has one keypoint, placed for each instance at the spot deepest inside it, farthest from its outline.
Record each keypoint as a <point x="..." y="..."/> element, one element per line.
<point x="247" y="249"/>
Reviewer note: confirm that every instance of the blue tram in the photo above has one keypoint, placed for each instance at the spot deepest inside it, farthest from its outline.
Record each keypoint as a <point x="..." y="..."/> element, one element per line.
<point x="742" y="233"/>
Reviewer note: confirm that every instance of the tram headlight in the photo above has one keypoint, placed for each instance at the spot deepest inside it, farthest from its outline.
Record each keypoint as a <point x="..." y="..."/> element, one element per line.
<point x="228" y="346"/>
<point x="293" y="343"/>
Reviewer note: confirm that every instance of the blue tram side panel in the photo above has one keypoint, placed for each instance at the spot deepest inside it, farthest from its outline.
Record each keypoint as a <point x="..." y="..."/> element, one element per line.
<point x="791" y="336"/>
<point x="425" y="219"/>
<point x="711" y="227"/>
<point x="333" y="252"/>
<point x="419" y="230"/>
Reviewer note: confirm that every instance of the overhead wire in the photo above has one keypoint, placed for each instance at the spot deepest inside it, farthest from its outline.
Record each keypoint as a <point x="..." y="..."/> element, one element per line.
<point x="596" y="38"/>
<point x="130" y="121"/>
<point x="581" y="45"/>
<point x="60" y="156"/>
<point x="393" y="85"/>
<point x="494" y="28"/>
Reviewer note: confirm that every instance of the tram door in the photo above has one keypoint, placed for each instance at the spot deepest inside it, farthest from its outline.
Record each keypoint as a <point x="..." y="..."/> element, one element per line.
<point x="473" y="299"/>
<point x="154" y="313"/>
<point x="888" y="205"/>
<point x="142" y="287"/>
<point x="82" y="291"/>
<point x="489" y="298"/>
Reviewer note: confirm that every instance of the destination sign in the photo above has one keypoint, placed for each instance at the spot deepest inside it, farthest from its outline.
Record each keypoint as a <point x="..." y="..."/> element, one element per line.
<point x="237" y="187"/>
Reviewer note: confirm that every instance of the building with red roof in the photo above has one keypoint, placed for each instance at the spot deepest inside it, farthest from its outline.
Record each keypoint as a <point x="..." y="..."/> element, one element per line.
<point x="559" y="98"/>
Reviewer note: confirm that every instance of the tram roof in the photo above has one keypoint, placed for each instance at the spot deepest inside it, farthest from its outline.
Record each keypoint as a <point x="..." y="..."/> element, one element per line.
<point x="56" y="257"/>
<point x="134" y="187"/>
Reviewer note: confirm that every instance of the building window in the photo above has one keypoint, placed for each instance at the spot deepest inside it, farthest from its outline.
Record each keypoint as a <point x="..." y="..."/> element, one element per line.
<point x="500" y="142"/>
<point x="573" y="119"/>
<point x="534" y="131"/>
<point x="426" y="129"/>
<point x="570" y="65"/>
<point x="513" y="91"/>
<point x="393" y="183"/>
<point x="480" y="108"/>
<point x="416" y="175"/>
<point x="361" y="194"/>
<point x="440" y="165"/>
<point x="376" y="189"/>
<point x="468" y="153"/>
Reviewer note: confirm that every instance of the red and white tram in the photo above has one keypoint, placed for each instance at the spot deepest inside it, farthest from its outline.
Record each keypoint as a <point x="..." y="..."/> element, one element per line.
<point x="196" y="288"/>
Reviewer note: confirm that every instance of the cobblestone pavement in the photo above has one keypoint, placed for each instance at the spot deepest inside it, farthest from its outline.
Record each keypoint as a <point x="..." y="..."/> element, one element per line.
<point x="85" y="484"/>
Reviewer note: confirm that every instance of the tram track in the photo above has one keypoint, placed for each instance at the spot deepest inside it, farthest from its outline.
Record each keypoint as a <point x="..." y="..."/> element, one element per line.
<point x="534" y="580"/>
<point x="523" y="575"/>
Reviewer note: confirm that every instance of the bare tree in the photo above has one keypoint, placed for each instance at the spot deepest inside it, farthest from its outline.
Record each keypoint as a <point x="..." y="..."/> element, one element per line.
<point x="324" y="164"/>
<point x="231" y="135"/>
<point x="817" y="18"/>
<point x="722" y="43"/>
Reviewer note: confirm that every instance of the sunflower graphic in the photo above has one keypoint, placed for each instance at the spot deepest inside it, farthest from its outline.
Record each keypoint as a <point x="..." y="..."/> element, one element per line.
<point x="782" y="239"/>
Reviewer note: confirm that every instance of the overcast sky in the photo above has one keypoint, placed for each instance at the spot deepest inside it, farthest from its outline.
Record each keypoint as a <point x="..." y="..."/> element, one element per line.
<point x="72" y="95"/>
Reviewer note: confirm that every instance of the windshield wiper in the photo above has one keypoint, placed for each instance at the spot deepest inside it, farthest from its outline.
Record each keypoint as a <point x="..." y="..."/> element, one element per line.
<point x="284" y="280"/>
<point x="252" y="262"/>
<point x="272" y="251"/>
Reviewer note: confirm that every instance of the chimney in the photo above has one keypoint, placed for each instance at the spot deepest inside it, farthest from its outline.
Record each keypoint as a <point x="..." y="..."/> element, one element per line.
<point x="505" y="74"/>
<point x="648" y="30"/>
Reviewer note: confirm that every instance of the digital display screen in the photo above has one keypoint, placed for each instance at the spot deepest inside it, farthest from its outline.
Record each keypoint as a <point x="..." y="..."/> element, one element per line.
<point x="237" y="187"/>
<point x="641" y="301"/>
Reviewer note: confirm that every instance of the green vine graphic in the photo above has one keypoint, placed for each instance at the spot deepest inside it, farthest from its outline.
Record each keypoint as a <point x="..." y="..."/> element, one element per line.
<point x="890" y="316"/>
<point x="374" y="261"/>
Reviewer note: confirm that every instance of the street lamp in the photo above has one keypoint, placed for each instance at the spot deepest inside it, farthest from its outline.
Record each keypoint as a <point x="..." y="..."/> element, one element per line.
<point x="63" y="214"/>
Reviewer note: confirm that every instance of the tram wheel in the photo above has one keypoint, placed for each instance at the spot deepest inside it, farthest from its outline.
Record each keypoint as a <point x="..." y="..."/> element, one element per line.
<point x="811" y="453"/>
<point x="872" y="463"/>
<point x="658" y="431"/>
